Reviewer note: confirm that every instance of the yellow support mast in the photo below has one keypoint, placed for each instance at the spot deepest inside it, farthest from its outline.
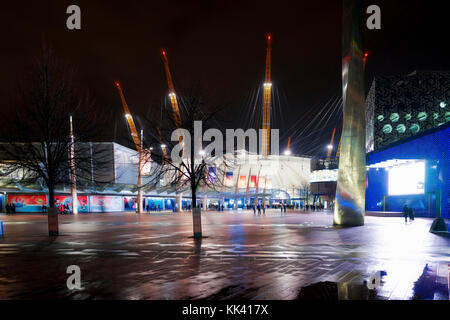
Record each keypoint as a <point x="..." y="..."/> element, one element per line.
<point x="138" y="143"/>
<point x="133" y="131"/>
<point x="330" y="146"/>
<point x="176" y="112"/>
<point x="288" y="149"/>
<point x="267" y="102"/>
<point x="166" y="157"/>
<point x="172" y="95"/>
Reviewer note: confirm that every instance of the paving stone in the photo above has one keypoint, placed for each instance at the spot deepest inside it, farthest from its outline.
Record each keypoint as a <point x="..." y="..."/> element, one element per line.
<point x="150" y="256"/>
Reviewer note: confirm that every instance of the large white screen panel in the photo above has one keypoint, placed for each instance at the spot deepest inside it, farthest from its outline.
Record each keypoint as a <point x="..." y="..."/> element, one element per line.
<point x="407" y="179"/>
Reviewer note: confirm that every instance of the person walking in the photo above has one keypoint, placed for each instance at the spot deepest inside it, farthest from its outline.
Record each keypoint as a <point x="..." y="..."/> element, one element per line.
<point x="284" y="208"/>
<point x="259" y="209"/>
<point x="264" y="208"/>
<point x="405" y="212"/>
<point x="411" y="214"/>
<point x="254" y="209"/>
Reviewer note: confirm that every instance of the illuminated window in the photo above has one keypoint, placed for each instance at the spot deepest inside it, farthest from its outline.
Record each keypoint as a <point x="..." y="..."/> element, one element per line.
<point x="422" y="116"/>
<point x="387" y="128"/>
<point x="380" y="117"/>
<point x="447" y="116"/>
<point x="435" y="115"/>
<point x="442" y="104"/>
<point x="394" y="117"/>
<point x="415" y="128"/>
<point x="408" y="117"/>
<point x="401" y="128"/>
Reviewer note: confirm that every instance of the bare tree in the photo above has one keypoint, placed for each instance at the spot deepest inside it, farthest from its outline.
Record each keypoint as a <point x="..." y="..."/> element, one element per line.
<point x="36" y="137"/>
<point x="183" y="163"/>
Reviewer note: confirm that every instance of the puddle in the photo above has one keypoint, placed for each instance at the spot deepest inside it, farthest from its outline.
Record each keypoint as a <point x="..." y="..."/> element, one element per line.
<point x="432" y="284"/>
<point x="328" y="290"/>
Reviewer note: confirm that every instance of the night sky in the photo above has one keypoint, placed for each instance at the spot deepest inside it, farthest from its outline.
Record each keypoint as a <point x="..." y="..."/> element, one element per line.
<point x="219" y="46"/>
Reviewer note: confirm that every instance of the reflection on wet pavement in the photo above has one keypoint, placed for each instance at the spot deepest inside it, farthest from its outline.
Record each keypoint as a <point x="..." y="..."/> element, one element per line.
<point x="276" y="256"/>
<point x="432" y="284"/>
<point x="336" y="291"/>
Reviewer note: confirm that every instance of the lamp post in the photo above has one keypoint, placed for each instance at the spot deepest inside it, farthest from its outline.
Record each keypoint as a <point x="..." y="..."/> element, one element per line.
<point x="72" y="171"/>
<point x="139" y="182"/>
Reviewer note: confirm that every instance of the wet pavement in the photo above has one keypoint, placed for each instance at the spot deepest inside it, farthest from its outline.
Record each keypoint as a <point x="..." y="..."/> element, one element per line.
<point x="243" y="256"/>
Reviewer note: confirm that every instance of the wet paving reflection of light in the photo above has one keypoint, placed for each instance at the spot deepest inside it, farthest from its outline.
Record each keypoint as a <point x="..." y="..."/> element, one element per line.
<point x="242" y="257"/>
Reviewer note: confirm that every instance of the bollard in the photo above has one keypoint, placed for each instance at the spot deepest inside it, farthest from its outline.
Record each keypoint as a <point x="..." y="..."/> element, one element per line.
<point x="53" y="227"/>
<point x="197" y="219"/>
<point x="1" y="228"/>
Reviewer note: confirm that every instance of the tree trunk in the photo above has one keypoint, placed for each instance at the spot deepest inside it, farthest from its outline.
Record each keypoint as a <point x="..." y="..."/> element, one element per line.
<point x="53" y="225"/>
<point x="196" y="214"/>
<point x="194" y="197"/>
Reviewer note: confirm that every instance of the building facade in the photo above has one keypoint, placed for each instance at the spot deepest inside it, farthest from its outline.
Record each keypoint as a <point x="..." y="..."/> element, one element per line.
<point x="112" y="187"/>
<point x="413" y="171"/>
<point x="403" y="106"/>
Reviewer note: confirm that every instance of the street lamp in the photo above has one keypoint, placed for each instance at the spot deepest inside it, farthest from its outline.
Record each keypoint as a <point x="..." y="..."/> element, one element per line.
<point x="287" y="152"/>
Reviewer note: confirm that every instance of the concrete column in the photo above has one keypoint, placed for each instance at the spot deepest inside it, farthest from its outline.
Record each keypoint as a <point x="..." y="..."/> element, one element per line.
<point x="179" y="202"/>
<point x="350" y="190"/>
<point x="205" y="202"/>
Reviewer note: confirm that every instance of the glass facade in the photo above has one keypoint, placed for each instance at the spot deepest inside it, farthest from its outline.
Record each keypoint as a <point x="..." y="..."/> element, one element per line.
<point x="432" y="148"/>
